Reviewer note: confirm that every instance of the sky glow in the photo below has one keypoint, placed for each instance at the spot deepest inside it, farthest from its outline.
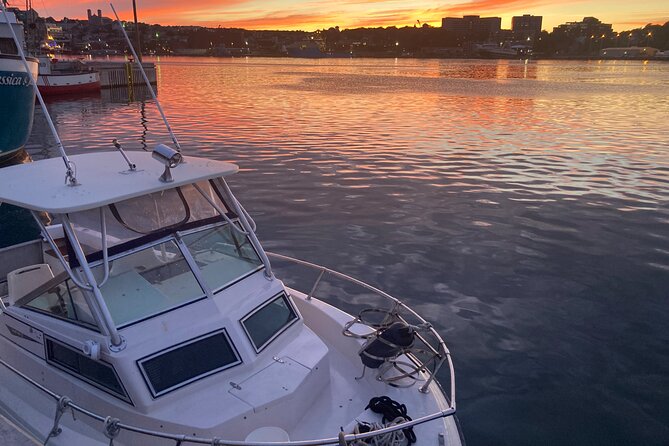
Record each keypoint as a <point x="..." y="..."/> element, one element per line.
<point x="310" y="15"/>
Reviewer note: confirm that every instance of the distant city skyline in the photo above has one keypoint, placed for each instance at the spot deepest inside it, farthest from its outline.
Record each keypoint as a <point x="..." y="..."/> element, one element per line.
<point x="310" y="15"/>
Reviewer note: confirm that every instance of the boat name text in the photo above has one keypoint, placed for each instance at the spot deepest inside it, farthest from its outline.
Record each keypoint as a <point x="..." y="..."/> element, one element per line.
<point x="15" y="80"/>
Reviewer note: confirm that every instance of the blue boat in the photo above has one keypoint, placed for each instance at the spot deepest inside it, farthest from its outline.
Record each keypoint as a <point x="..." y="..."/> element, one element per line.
<point x="17" y="104"/>
<point x="18" y="97"/>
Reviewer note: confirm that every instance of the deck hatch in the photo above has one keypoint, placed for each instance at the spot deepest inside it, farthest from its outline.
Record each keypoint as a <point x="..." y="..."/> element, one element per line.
<point x="180" y="365"/>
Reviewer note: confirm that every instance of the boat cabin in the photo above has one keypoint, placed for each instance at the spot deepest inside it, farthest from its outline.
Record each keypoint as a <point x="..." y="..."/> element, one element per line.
<point x="146" y="291"/>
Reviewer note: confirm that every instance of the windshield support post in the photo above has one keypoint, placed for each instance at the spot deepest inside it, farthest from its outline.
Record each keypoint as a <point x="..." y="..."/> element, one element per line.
<point x="193" y="265"/>
<point x="106" y="322"/>
<point x="248" y="228"/>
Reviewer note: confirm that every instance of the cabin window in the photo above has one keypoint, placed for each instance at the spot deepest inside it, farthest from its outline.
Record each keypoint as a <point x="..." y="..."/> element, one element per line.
<point x="147" y="282"/>
<point x="185" y="363"/>
<point x="7" y="46"/>
<point x="222" y="254"/>
<point x="61" y="299"/>
<point x="97" y="373"/>
<point x="266" y="323"/>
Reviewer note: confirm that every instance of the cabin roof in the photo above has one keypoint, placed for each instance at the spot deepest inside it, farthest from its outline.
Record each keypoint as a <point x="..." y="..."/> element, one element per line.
<point x="104" y="178"/>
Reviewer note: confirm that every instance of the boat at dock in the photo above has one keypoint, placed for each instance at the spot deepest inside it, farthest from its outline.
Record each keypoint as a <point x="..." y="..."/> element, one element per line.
<point x="58" y="77"/>
<point x="152" y="308"/>
<point x="147" y="312"/>
<point x="18" y="97"/>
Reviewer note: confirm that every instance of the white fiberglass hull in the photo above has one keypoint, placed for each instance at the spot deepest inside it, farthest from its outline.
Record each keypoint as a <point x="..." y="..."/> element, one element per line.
<point x="341" y="401"/>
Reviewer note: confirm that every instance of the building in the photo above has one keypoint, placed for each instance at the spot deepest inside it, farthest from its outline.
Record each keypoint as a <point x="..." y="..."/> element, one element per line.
<point x="473" y="27"/>
<point x="95" y="19"/>
<point x="526" y="25"/>
<point x="588" y="27"/>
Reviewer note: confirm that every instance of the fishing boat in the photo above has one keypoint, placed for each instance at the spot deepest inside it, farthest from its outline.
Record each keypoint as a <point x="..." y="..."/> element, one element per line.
<point x="150" y="314"/>
<point x="18" y="97"/>
<point x="66" y="77"/>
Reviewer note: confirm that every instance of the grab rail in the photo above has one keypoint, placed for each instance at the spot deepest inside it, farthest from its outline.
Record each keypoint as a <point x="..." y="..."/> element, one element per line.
<point x="442" y="351"/>
<point x="112" y="426"/>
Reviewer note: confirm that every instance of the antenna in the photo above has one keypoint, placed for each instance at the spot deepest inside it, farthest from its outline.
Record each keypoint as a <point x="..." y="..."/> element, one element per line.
<point x="70" y="175"/>
<point x="146" y="80"/>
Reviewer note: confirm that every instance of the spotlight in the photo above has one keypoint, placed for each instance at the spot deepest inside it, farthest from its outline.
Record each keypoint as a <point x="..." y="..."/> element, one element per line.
<point x="169" y="157"/>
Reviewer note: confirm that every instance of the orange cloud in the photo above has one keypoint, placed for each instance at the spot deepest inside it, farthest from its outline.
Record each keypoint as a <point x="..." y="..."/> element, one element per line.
<point x="313" y="14"/>
<point x="486" y="6"/>
<point x="278" y="20"/>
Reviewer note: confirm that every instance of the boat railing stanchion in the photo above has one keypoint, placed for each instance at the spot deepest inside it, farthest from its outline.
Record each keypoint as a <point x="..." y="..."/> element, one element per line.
<point x="318" y="281"/>
<point x="70" y="168"/>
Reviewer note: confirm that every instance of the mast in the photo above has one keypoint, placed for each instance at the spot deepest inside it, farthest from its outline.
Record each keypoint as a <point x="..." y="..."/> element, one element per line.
<point x="138" y="44"/>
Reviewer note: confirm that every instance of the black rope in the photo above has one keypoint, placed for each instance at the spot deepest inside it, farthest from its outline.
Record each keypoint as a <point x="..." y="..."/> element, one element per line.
<point x="391" y="409"/>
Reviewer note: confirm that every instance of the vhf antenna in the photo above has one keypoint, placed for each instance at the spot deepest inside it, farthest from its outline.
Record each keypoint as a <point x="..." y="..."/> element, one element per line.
<point x="146" y="80"/>
<point x="70" y="172"/>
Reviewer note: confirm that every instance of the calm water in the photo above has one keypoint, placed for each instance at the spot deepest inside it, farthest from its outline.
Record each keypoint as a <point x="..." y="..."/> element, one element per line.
<point x="524" y="208"/>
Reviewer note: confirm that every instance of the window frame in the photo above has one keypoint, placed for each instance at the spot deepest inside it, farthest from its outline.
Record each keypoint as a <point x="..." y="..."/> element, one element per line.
<point x="181" y="234"/>
<point x="77" y="322"/>
<point x="149" y="245"/>
<point x="187" y="382"/>
<point x="278" y="332"/>
<point x="48" y="357"/>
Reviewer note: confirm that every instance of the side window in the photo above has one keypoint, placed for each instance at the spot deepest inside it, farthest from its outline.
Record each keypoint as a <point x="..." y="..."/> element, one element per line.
<point x="97" y="373"/>
<point x="63" y="300"/>
<point x="267" y="322"/>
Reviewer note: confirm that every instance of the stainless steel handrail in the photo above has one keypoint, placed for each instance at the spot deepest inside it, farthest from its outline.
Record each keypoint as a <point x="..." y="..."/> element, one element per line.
<point x="181" y="439"/>
<point x="442" y="345"/>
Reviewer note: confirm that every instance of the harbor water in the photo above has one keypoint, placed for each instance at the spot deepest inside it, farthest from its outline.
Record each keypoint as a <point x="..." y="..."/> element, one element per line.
<point x="523" y="208"/>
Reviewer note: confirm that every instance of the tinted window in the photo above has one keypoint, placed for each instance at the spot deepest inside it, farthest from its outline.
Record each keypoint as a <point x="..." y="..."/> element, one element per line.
<point x="7" y="46"/>
<point x="269" y="320"/>
<point x="187" y="363"/>
<point x="84" y="367"/>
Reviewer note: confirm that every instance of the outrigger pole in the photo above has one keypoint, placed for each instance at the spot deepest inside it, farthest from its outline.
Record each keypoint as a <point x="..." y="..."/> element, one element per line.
<point x="146" y="80"/>
<point x="70" y="173"/>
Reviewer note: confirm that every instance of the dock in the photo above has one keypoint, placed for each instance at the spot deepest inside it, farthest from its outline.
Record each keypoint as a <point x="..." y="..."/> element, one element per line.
<point x="12" y="435"/>
<point x="122" y="74"/>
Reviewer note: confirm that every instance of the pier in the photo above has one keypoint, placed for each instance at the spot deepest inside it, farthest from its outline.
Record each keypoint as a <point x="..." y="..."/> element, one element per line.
<point x="12" y="435"/>
<point x="122" y="74"/>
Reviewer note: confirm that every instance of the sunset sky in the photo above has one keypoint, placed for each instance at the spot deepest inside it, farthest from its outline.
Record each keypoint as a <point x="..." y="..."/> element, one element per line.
<point x="317" y="14"/>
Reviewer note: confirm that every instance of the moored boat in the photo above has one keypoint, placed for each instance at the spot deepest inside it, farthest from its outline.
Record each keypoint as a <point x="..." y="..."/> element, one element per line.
<point x="18" y="97"/>
<point x="152" y="312"/>
<point x="66" y="77"/>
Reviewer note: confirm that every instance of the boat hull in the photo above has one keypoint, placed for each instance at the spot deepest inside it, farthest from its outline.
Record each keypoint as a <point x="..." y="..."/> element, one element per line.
<point x="33" y="410"/>
<point x="77" y="83"/>
<point x="18" y="102"/>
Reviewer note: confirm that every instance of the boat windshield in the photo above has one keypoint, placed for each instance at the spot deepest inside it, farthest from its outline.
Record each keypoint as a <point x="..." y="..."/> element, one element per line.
<point x="158" y="278"/>
<point x="147" y="282"/>
<point x="223" y="255"/>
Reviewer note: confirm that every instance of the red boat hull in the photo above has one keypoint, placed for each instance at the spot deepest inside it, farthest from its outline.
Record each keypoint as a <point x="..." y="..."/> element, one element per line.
<point x="69" y="89"/>
<point x="68" y="83"/>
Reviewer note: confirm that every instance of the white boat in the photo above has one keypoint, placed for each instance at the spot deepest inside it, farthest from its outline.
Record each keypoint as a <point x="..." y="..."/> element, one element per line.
<point x="153" y="314"/>
<point x="495" y="51"/>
